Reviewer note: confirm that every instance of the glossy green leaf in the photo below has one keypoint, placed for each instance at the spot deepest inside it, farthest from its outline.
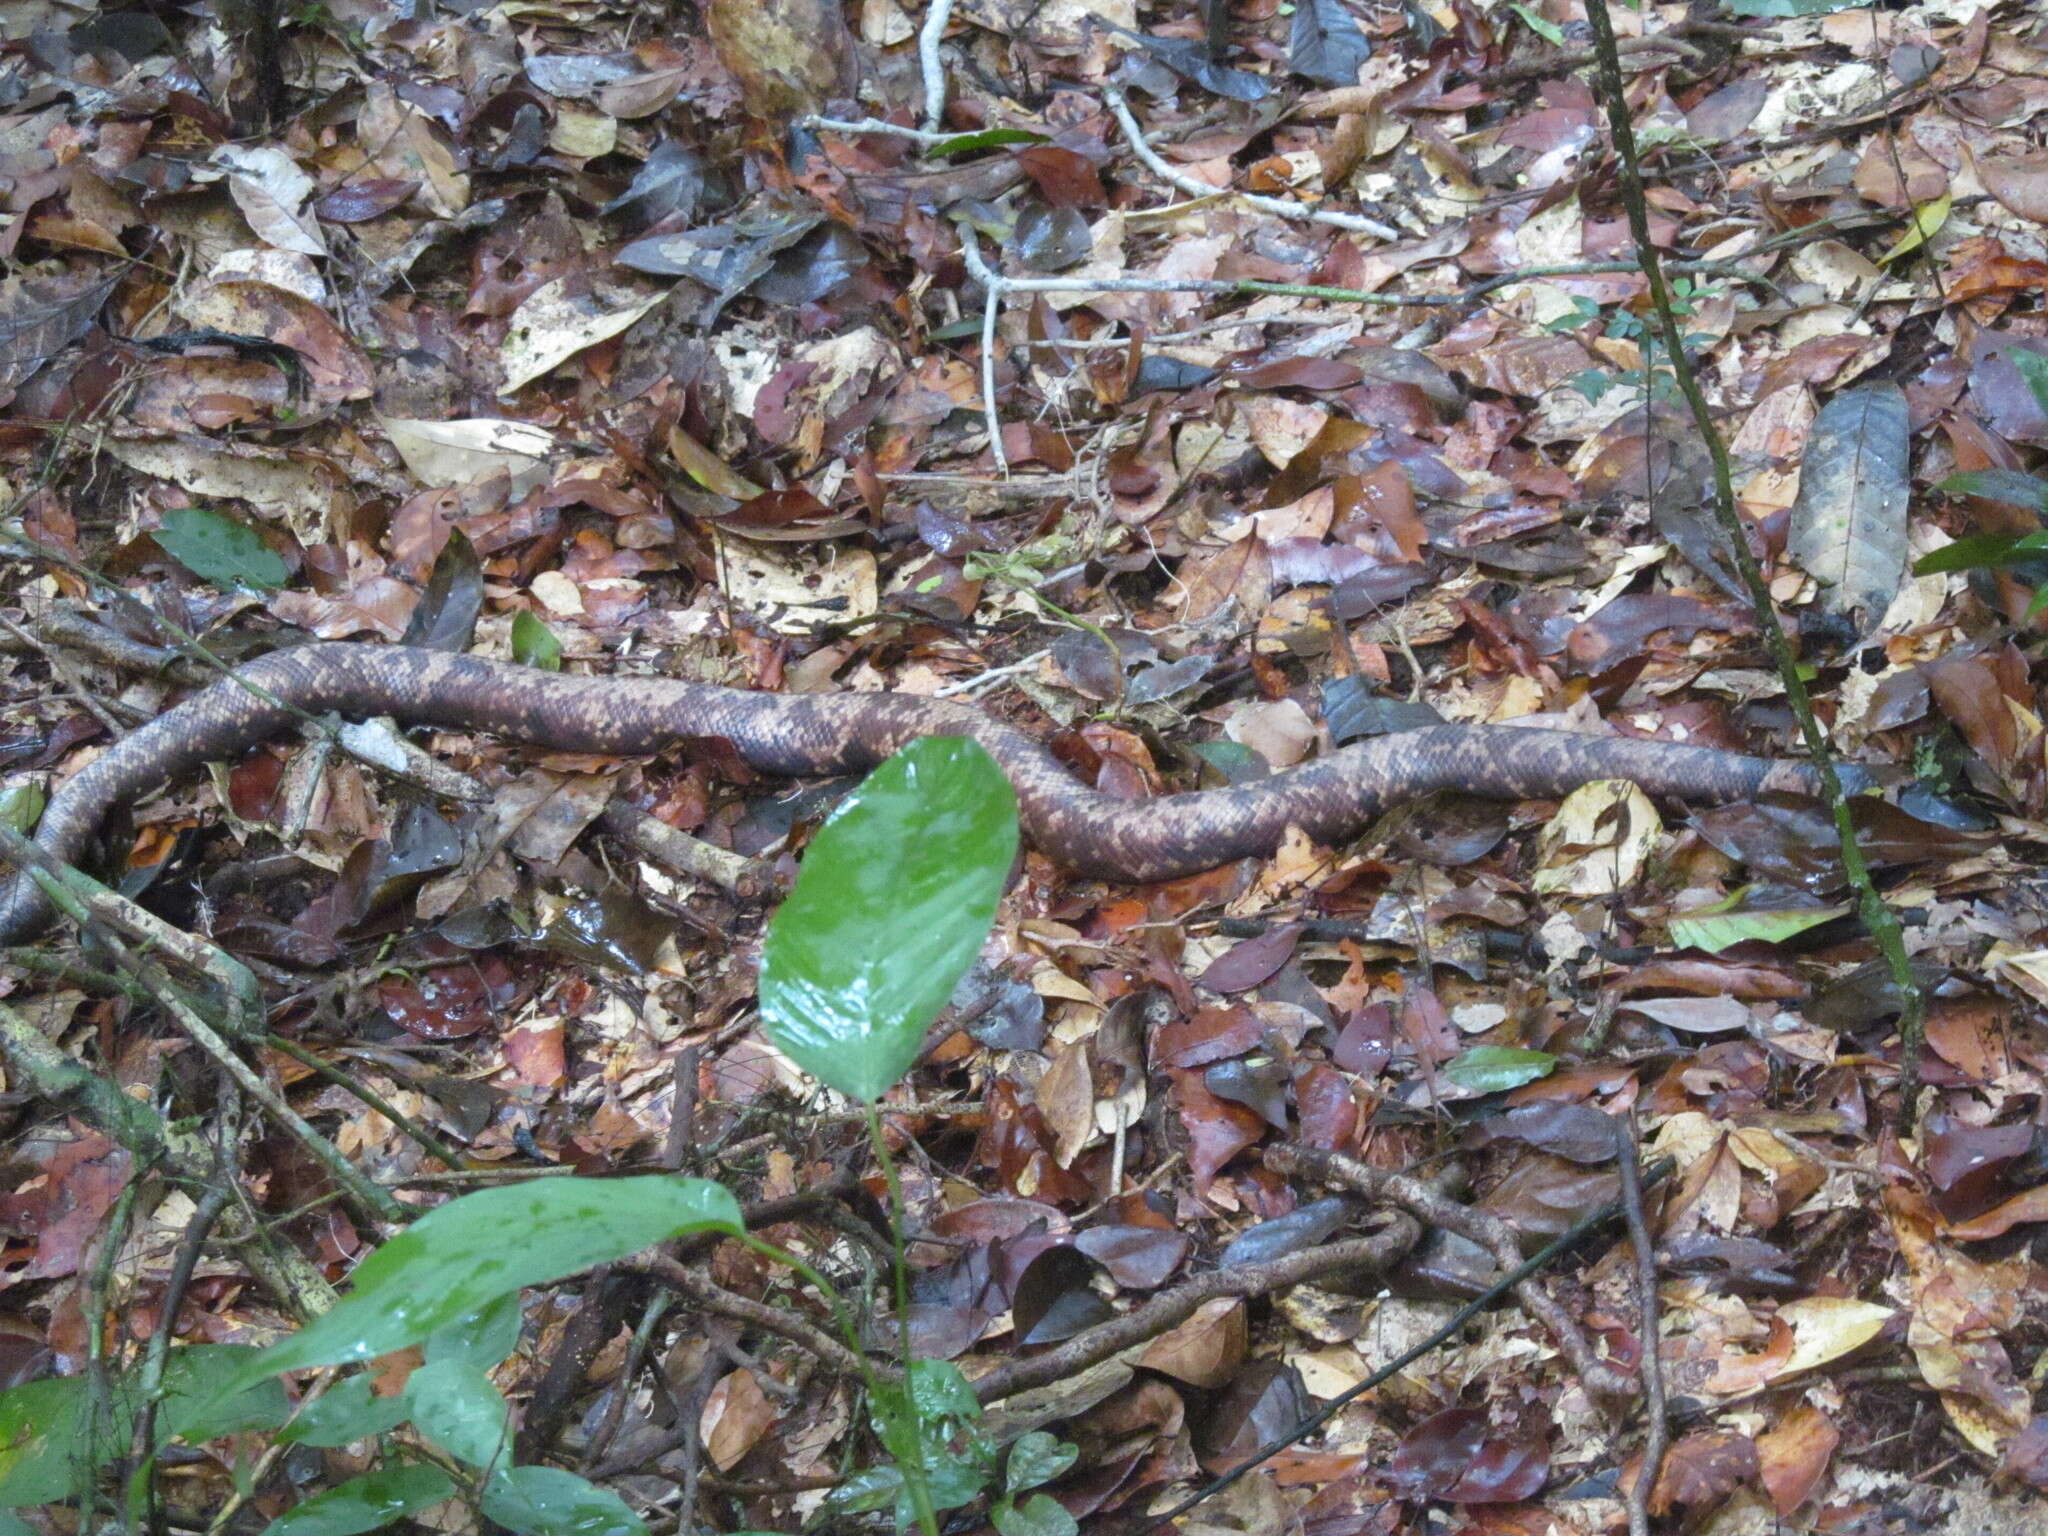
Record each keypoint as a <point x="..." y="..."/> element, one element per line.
<point x="1039" y="1515"/>
<point x="217" y="549"/>
<point x="986" y="138"/>
<point x="366" y="1503"/>
<point x="347" y="1411"/>
<point x="1980" y="550"/>
<point x="489" y="1244"/>
<point x="534" y="644"/>
<point x="483" y="1338"/>
<point x="2008" y="486"/>
<point x="892" y="904"/>
<point x="545" y="1501"/>
<point x="1036" y="1459"/>
<point x="1549" y="31"/>
<point x="1716" y="931"/>
<point x="1497" y="1068"/>
<point x="455" y="1405"/>
<point x="866" y="1491"/>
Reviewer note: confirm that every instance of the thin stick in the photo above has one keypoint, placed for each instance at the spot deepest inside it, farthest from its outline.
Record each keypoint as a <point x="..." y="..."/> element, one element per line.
<point x="1878" y="917"/>
<point x="853" y="128"/>
<point x="1134" y="136"/>
<point x="1629" y="1153"/>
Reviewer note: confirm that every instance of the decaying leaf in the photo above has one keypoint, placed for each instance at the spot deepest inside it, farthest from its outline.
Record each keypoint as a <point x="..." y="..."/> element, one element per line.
<point x="1849" y="524"/>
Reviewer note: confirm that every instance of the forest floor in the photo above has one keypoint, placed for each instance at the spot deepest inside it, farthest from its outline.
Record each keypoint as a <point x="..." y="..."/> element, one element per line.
<point x="1198" y="388"/>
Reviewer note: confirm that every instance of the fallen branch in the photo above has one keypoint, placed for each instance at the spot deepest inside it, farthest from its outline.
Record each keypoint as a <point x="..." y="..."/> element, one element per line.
<point x="748" y="879"/>
<point x="144" y="1134"/>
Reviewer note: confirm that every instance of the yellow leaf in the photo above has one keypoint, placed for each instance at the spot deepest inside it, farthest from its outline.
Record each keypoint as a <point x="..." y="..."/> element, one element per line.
<point x="1927" y="218"/>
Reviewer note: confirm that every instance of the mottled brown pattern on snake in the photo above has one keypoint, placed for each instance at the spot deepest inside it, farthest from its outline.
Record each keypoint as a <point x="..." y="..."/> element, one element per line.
<point x="800" y="734"/>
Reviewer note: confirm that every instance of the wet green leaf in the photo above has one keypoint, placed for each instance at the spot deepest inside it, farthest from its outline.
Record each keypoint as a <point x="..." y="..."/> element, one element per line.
<point x="546" y="1501"/>
<point x="366" y="1503"/>
<point x="484" y="1338"/>
<point x="489" y="1244"/>
<point x="1038" y="1515"/>
<point x="455" y="1405"/>
<point x="895" y="897"/>
<point x="43" y="1444"/>
<point x="347" y="1411"/>
<point x="1036" y="1459"/>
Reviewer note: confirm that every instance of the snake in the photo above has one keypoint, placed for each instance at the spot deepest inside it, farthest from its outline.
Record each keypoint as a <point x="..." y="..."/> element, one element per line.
<point x="1092" y="833"/>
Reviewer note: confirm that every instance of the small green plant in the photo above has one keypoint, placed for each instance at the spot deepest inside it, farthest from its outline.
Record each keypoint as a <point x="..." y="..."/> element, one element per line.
<point x="1656" y="378"/>
<point x="1999" y="551"/>
<point x="896" y="897"/>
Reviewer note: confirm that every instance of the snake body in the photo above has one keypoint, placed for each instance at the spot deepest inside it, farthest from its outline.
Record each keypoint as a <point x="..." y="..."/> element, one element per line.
<point x="1080" y="828"/>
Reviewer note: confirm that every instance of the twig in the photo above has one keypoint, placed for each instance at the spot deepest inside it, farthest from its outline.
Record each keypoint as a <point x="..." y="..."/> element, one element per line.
<point x="994" y="286"/>
<point x="929" y="36"/>
<point x="1490" y="1232"/>
<point x="622" y="1390"/>
<point x="1134" y="136"/>
<point x="748" y="879"/>
<point x="62" y="671"/>
<point x="1878" y="917"/>
<point x="370" y="1198"/>
<point x="197" y="1230"/>
<point x="91" y="904"/>
<point x="428" y="1142"/>
<point x="606" y="1296"/>
<point x="1381" y="1251"/>
<point x="70" y="1085"/>
<point x="981" y="680"/>
<point x="248" y="1481"/>
<point x="854" y="127"/>
<point x="1531" y="1266"/>
<point x="712" y="1297"/>
<point x="1628" y="1160"/>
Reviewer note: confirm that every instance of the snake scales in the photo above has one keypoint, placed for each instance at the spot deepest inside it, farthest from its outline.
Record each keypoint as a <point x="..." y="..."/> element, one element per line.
<point x="809" y="734"/>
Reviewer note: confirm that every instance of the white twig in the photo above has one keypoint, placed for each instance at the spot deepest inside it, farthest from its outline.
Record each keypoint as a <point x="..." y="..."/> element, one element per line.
<point x="1142" y="148"/>
<point x="928" y="39"/>
<point x="994" y="286"/>
<point x="850" y="128"/>
<point x="993" y="674"/>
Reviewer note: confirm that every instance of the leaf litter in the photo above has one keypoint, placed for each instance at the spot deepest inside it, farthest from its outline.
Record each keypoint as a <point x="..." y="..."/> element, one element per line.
<point x="1201" y="388"/>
